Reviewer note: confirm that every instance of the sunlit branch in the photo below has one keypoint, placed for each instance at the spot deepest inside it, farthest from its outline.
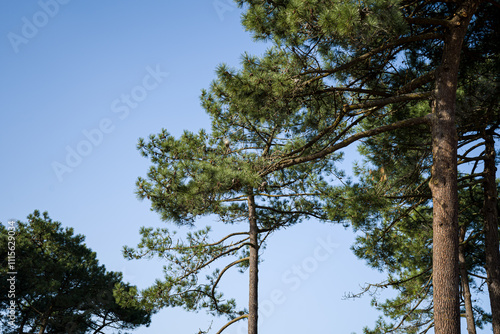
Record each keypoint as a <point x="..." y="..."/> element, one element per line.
<point x="360" y="135"/>
<point x="232" y="322"/>
<point x="225" y="269"/>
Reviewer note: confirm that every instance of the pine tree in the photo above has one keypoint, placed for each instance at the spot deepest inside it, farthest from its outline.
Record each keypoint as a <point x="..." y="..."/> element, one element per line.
<point x="60" y="286"/>
<point x="334" y="68"/>
<point x="357" y="48"/>
<point x="395" y="175"/>
<point x="400" y="243"/>
<point x="217" y="174"/>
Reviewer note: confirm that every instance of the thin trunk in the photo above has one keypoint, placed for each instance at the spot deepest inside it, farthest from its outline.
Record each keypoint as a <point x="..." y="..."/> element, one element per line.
<point x="44" y="325"/>
<point x="45" y="319"/>
<point x="491" y="232"/>
<point x="254" y="269"/>
<point x="464" y="279"/>
<point x="443" y="183"/>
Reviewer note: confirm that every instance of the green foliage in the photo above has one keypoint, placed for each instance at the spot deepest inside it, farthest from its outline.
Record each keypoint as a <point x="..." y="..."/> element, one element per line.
<point x="338" y="72"/>
<point x="398" y="229"/>
<point x="402" y="247"/>
<point x="350" y="23"/>
<point x="185" y="259"/>
<point x="256" y="123"/>
<point x="60" y="284"/>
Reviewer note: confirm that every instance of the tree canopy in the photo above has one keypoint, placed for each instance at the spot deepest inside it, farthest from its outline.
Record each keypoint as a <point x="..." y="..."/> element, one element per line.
<point x="59" y="285"/>
<point x="217" y="174"/>
<point x="337" y="73"/>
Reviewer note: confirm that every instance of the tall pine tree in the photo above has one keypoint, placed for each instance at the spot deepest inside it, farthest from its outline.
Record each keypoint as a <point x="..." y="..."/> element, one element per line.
<point x="217" y="174"/>
<point x="359" y="47"/>
<point x="395" y="177"/>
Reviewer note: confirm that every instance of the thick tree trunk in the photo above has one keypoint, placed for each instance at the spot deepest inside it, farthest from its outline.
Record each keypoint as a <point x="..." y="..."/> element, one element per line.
<point x="254" y="269"/>
<point x="443" y="183"/>
<point x="464" y="280"/>
<point x="491" y="231"/>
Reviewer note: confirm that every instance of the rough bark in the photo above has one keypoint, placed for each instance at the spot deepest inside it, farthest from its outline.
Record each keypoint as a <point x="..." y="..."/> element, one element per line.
<point x="464" y="280"/>
<point x="443" y="183"/>
<point x="491" y="232"/>
<point x="253" y="268"/>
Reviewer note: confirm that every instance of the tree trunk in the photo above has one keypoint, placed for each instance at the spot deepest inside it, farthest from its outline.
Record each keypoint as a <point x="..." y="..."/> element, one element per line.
<point x="491" y="231"/>
<point x="464" y="279"/>
<point x="45" y="319"/>
<point x="254" y="269"/>
<point x="443" y="183"/>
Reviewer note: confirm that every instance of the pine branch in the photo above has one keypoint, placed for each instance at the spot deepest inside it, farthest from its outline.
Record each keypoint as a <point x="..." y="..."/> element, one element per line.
<point x="427" y="287"/>
<point x="290" y="212"/>
<point x="469" y="177"/>
<point x="390" y="100"/>
<point x="471" y="149"/>
<point x="400" y="217"/>
<point x="290" y="195"/>
<point x="431" y="324"/>
<point x="360" y="135"/>
<point x="232" y="322"/>
<point x="366" y="56"/>
<point x="225" y="269"/>
<point x="345" y="89"/>
<point x="429" y="21"/>
<point x="478" y="276"/>
<point x="417" y="82"/>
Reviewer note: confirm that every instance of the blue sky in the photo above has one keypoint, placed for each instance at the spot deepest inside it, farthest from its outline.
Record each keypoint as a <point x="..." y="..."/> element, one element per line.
<point x="82" y="81"/>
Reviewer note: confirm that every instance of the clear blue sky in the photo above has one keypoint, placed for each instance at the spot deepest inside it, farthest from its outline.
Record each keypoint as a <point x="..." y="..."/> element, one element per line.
<point x="81" y="82"/>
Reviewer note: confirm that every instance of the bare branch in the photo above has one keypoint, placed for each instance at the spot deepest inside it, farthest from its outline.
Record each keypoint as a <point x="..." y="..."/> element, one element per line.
<point x="232" y="322"/>
<point x="417" y="82"/>
<point x="288" y="212"/>
<point x="389" y="100"/>
<point x="225" y="269"/>
<point x="422" y="298"/>
<point x="428" y="21"/>
<point x="478" y="276"/>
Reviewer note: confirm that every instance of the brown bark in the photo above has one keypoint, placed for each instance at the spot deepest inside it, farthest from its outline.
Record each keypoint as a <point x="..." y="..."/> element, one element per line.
<point x="443" y="183"/>
<point x="45" y="319"/>
<point x="464" y="280"/>
<point x="253" y="264"/>
<point x="491" y="232"/>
